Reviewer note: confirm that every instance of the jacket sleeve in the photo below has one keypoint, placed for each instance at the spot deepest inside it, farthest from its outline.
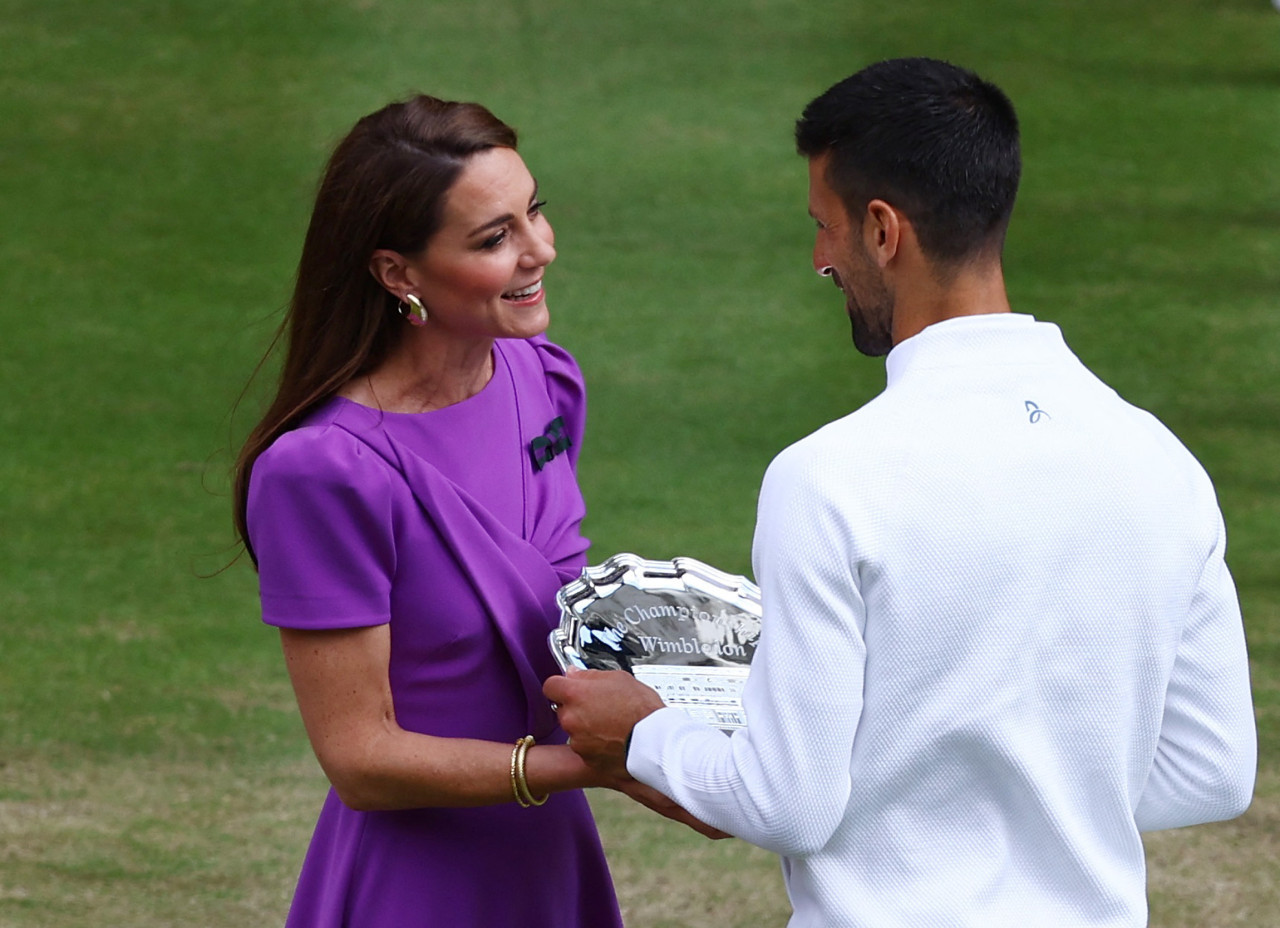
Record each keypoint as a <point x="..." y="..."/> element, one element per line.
<point x="1206" y="757"/>
<point x="776" y="783"/>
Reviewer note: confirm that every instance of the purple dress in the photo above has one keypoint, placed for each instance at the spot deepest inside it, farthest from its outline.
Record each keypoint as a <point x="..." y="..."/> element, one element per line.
<point x="456" y="526"/>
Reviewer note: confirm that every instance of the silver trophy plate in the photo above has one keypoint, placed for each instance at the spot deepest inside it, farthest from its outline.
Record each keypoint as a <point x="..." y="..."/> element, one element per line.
<point x="680" y="626"/>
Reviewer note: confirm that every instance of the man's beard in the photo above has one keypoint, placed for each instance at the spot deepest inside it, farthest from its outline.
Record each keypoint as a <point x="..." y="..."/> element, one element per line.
<point x="870" y="317"/>
<point x="875" y="341"/>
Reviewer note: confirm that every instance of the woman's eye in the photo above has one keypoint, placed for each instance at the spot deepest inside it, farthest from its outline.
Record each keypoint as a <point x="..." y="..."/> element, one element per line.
<point x="494" y="241"/>
<point x="535" y="209"/>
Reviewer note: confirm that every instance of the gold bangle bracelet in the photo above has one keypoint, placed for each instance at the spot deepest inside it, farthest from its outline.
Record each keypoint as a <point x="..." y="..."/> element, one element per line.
<point x="519" y="784"/>
<point x="515" y="785"/>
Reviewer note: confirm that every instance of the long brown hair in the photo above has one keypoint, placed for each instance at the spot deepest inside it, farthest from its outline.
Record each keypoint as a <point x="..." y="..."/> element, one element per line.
<point x="384" y="187"/>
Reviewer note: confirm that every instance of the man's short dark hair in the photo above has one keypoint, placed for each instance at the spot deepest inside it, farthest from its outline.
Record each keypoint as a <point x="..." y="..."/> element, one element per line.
<point x="929" y="138"/>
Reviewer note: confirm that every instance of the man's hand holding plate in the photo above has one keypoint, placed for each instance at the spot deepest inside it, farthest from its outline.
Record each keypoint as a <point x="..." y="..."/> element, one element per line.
<point x="598" y="708"/>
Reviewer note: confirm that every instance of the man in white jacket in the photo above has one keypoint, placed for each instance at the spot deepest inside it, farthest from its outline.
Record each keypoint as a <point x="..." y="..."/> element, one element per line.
<point x="1000" y="638"/>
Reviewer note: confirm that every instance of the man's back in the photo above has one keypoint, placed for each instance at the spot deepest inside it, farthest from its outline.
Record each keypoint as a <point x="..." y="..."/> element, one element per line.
<point x="1027" y="554"/>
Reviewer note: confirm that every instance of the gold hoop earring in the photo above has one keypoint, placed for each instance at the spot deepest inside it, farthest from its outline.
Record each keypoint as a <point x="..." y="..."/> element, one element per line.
<point x="416" y="313"/>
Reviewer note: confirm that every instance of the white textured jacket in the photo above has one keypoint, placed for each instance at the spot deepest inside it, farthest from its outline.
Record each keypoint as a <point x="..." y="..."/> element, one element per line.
<point x="1000" y="640"/>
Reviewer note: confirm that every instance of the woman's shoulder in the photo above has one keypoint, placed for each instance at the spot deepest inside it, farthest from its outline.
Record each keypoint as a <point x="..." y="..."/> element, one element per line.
<point x="554" y="366"/>
<point x="555" y="361"/>
<point x="321" y="454"/>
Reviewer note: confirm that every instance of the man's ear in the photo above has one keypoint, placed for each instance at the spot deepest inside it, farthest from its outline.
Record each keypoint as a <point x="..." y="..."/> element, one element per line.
<point x="882" y="231"/>
<point x="390" y="269"/>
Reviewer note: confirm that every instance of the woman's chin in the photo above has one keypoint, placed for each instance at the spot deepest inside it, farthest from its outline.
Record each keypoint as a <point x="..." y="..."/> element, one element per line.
<point x="530" y="321"/>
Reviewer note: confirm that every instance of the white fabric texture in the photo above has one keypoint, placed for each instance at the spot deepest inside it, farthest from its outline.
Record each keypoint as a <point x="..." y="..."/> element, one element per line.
<point x="1000" y="639"/>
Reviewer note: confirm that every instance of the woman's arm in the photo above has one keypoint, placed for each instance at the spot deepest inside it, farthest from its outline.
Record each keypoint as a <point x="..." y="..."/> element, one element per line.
<point x="341" y="681"/>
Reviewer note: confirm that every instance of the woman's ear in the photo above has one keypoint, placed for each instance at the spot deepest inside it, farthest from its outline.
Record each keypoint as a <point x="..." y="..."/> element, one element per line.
<point x="390" y="269"/>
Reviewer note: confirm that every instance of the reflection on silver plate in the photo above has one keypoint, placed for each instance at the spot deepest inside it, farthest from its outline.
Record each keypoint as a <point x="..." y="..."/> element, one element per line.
<point x="681" y="626"/>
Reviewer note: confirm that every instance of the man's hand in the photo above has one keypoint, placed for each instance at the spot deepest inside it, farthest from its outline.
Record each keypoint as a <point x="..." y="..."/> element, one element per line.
<point x="598" y="708"/>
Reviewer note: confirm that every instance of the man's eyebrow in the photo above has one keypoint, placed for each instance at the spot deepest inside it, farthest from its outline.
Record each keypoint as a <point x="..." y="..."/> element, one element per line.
<point x="503" y="219"/>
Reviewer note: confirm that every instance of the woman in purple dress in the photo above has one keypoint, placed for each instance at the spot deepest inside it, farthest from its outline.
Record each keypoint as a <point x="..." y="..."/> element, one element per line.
<point x="411" y="503"/>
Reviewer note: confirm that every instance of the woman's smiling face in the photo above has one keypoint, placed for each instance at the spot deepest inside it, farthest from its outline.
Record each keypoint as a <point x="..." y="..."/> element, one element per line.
<point x="480" y="275"/>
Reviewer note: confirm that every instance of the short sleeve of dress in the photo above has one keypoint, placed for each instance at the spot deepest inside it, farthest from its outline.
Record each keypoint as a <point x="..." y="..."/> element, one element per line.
<point x="566" y="389"/>
<point x="320" y="521"/>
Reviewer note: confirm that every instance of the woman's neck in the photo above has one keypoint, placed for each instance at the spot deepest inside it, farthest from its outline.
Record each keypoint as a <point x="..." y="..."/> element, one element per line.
<point x="422" y="374"/>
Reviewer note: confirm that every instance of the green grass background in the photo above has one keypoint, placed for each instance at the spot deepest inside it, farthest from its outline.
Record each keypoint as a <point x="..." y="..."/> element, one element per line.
<point x="157" y="160"/>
